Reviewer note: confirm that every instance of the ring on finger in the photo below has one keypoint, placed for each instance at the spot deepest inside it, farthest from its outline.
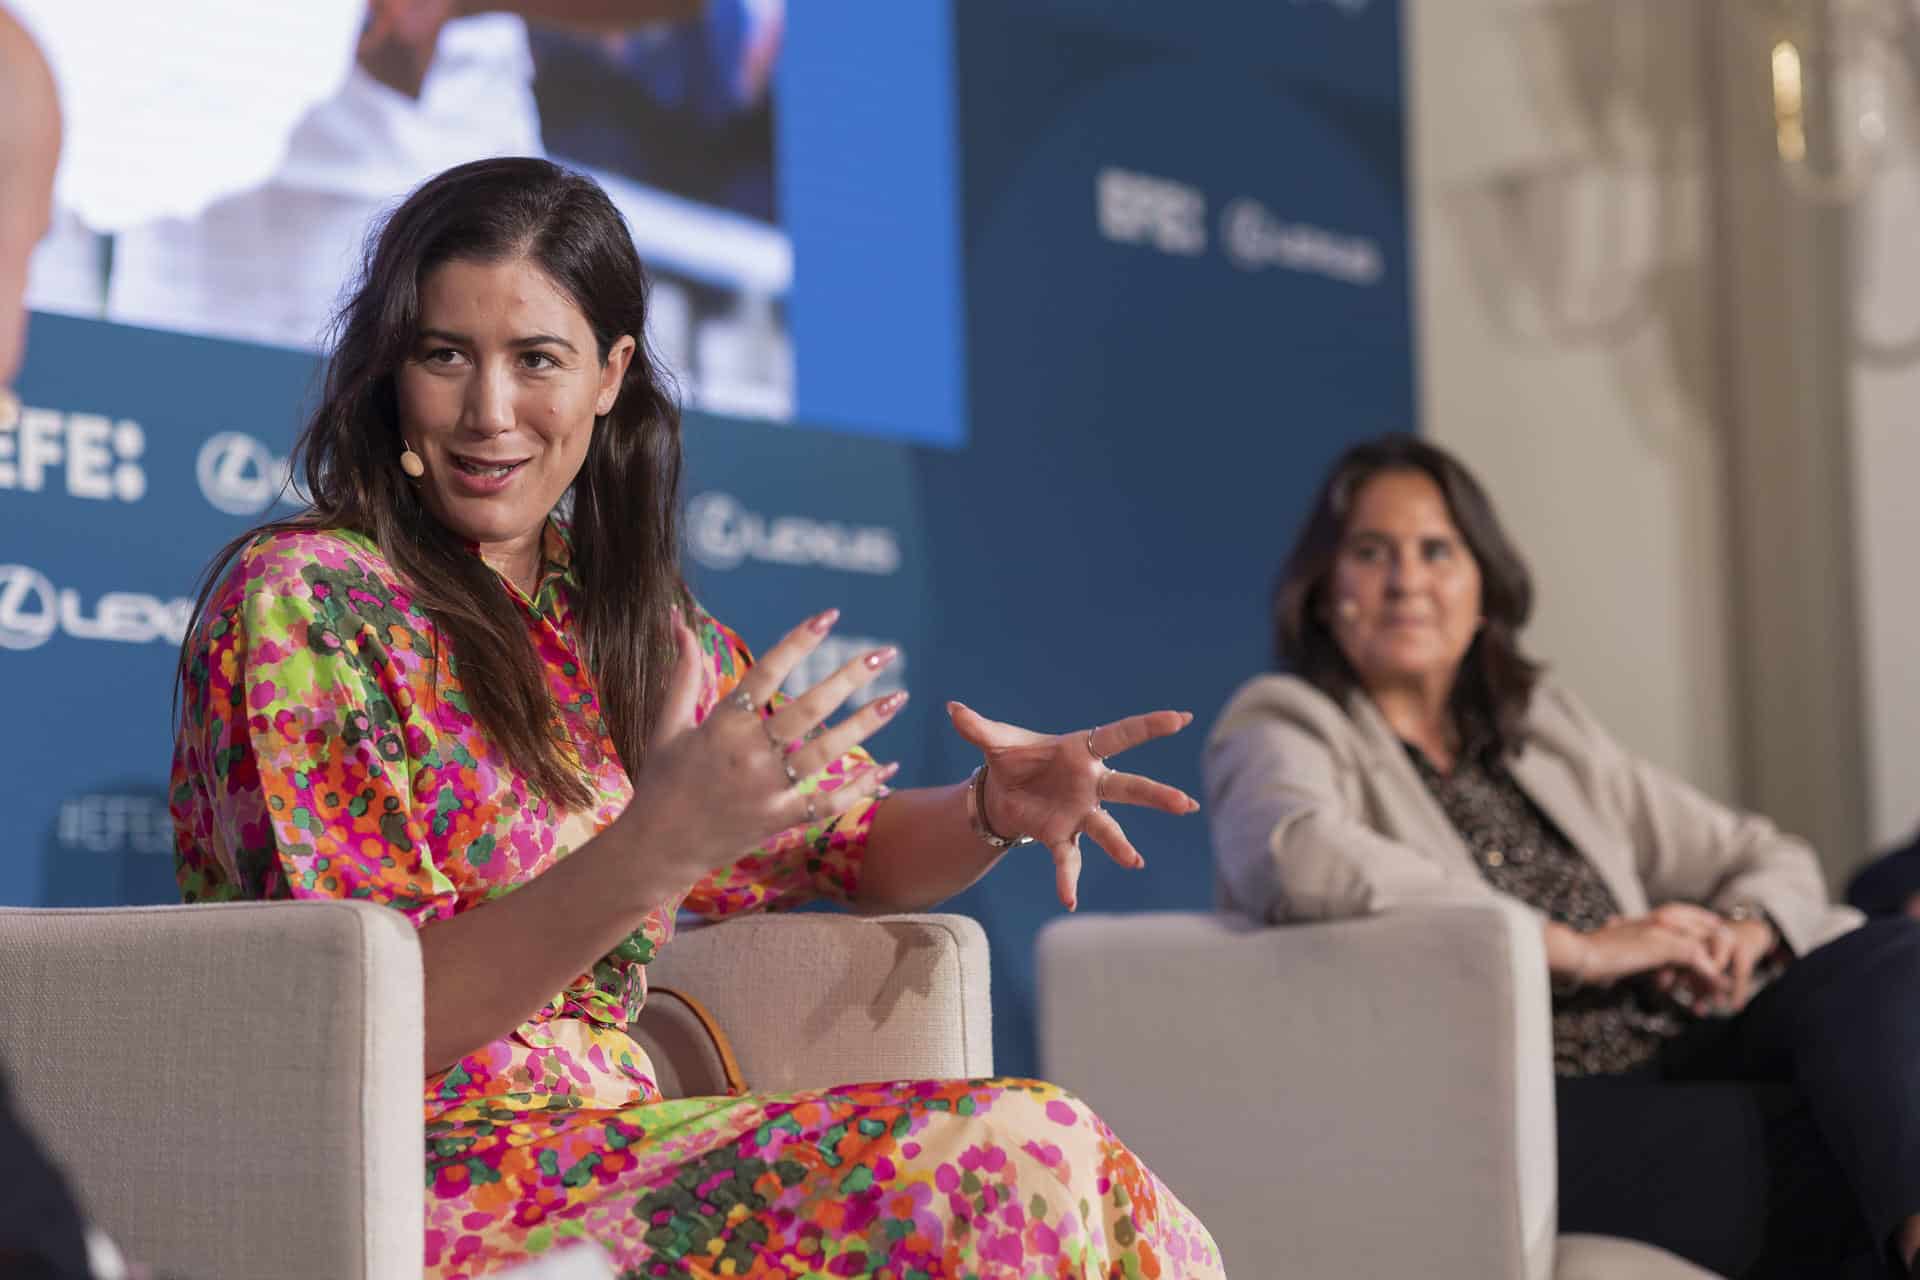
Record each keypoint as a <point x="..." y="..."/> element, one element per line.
<point x="1100" y="783"/>
<point x="743" y="700"/>
<point x="779" y="748"/>
<point x="1090" y="748"/>
<point x="813" y="817"/>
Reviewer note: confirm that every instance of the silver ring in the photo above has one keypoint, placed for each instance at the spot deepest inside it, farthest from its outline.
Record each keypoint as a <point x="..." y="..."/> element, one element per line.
<point x="813" y="818"/>
<point x="743" y="700"/>
<point x="781" y="752"/>
<point x="1100" y="783"/>
<point x="1090" y="751"/>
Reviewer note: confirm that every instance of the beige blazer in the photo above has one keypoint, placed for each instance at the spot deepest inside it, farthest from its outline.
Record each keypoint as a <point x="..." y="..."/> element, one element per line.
<point x="1317" y="814"/>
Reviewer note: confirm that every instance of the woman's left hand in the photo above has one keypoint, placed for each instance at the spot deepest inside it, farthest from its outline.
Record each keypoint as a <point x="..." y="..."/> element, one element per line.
<point x="1052" y="786"/>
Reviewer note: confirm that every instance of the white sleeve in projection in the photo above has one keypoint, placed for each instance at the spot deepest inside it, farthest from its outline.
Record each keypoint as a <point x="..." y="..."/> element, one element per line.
<point x="190" y="101"/>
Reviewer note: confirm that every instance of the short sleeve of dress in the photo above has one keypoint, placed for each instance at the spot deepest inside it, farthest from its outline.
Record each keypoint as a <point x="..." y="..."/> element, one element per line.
<point x="801" y="864"/>
<point x="290" y="776"/>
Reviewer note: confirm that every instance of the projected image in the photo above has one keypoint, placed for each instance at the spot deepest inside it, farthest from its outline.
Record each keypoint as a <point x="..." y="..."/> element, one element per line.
<point x="238" y="209"/>
<point x="677" y="122"/>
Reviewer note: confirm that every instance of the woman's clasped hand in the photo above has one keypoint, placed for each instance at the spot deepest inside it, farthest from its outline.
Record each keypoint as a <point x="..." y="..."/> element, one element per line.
<point x="1703" y="961"/>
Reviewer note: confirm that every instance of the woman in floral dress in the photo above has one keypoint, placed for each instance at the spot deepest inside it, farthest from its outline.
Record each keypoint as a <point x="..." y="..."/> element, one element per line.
<point x="431" y="692"/>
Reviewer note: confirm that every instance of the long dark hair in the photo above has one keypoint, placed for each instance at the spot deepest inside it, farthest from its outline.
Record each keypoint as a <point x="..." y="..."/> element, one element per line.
<point x="625" y="499"/>
<point x="1496" y="680"/>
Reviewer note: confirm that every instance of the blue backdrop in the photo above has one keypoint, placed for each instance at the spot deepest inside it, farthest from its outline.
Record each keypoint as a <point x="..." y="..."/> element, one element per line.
<point x="1183" y="252"/>
<point x="1154" y="396"/>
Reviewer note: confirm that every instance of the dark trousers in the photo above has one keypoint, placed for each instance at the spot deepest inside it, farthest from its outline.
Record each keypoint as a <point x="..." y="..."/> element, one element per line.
<point x="1781" y="1142"/>
<point x="41" y="1237"/>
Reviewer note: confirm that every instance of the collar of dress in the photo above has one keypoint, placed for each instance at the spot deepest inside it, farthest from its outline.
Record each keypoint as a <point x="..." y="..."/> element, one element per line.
<point x="556" y="565"/>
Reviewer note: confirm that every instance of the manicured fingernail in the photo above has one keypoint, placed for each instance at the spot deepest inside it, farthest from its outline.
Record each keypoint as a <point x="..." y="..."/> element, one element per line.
<point x="881" y="657"/>
<point x="1139" y="863"/>
<point x="893" y="702"/>
<point x="889" y="771"/>
<point x="1193" y="806"/>
<point x="823" y="622"/>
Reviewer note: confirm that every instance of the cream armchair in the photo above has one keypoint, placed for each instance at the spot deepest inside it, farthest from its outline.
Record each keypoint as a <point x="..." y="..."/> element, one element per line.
<point x="1367" y="1098"/>
<point x="235" y="1091"/>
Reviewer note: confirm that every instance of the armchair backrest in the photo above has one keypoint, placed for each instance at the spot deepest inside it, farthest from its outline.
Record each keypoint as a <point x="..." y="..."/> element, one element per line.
<point x="232" y="1090"/>
<point x="1369" y="1097"/>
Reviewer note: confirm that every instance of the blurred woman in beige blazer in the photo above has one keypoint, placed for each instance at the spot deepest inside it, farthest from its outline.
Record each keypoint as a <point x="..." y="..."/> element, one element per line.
<point x="1739" y="1076"/>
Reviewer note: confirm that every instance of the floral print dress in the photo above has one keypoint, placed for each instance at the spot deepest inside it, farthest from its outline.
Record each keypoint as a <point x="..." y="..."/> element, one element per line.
<point x="325" y="751"/>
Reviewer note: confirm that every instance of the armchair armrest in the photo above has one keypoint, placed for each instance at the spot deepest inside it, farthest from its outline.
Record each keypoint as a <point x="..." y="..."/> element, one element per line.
<point x="1369" y="1097"/>
<point x="233" y="1090"/>
<point x="819" y="999"/>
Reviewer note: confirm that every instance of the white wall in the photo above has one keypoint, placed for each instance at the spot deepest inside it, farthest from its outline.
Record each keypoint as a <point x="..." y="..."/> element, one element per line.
<point x="1564" y="312"/>
<point x="1886" y="441"/>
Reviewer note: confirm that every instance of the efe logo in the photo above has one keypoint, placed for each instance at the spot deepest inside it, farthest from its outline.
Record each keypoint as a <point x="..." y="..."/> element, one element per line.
<point x="116" y="822"/>
<point x="98" y="456"/>
<point x="1144" y="208"/>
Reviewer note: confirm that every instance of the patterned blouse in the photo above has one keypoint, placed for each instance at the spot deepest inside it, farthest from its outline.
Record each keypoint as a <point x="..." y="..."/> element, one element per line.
<point x="1598" y="1030"/>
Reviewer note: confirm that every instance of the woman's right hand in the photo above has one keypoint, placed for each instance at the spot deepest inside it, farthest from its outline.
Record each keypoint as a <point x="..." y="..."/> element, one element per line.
<point x="1675" y="937"/>
<point x="705" y="795"/>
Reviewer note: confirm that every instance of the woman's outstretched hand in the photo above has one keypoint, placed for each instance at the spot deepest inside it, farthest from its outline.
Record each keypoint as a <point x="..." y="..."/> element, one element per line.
<point x="1053" y="786"/>
<point x="707" y="794"/>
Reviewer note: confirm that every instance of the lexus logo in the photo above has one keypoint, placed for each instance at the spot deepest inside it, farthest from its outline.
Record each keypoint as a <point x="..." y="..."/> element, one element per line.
<point x="29" y="610"/>
<point x="32" y="610"/>
<point x="722" y="533"/>
<point x="1256" y="239"/>
<point x="240" y="475"/>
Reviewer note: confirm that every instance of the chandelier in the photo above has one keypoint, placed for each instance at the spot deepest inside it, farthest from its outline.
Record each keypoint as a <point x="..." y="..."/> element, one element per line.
<point x="1841" y="70"/>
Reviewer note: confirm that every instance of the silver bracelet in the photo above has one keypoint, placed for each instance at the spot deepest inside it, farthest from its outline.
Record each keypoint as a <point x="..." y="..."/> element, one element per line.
<point x="977" y="814"/>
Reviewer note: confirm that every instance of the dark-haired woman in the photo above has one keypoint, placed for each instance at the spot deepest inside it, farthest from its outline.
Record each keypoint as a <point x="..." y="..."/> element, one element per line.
<point x="1739" y="1065"/>
<point x="429" y="692"/>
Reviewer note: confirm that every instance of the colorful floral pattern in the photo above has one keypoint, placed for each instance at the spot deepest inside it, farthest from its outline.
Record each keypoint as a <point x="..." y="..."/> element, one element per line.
<point x="326" y="751"/>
